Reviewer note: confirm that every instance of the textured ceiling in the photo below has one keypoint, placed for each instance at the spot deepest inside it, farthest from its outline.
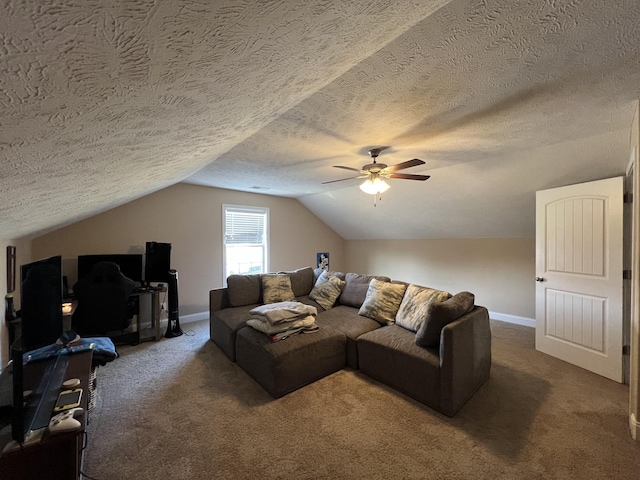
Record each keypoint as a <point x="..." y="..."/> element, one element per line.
<point x="105" y="101"/>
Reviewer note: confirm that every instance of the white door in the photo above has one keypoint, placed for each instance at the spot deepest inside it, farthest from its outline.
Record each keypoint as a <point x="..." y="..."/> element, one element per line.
<point x="579" y="275"/>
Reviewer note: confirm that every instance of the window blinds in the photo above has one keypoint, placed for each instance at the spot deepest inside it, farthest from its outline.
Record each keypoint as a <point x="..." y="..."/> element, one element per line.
<point x="244" y="226"/>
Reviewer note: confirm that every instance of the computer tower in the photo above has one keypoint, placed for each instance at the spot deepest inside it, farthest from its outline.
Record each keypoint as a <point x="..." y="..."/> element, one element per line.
<point x="157" y="262"/>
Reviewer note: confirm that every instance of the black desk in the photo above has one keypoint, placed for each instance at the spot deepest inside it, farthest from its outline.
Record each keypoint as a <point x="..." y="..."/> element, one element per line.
<point x="139" y="332"/>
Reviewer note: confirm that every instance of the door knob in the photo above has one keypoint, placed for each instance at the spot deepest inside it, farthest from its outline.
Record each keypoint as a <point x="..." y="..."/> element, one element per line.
<point x="540" y="279"/>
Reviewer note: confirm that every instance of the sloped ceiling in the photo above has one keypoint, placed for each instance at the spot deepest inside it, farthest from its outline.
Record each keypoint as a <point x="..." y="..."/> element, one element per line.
<point x="102" y="102"/>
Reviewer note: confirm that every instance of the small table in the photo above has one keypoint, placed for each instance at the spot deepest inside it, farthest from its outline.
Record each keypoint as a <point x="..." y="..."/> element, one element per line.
<point x="152" y="333"/>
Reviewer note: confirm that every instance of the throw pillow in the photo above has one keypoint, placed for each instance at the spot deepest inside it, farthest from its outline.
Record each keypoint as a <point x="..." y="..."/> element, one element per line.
<point x="441" y="314"/>
<point x="326" y="290"/>
<point x="415" y="304"/>
<point x="355" y="291"/>
<point x="276" y="288"/>
<point x="382" y="301"/>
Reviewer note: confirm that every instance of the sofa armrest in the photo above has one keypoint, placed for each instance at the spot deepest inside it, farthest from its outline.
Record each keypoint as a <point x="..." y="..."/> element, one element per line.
<point x="465" y="358"/>
<point x="218" y="300"/>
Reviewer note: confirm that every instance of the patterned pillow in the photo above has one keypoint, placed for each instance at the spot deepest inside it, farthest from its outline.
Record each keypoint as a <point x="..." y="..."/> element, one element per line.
<point x="355" y="291"/>
<point x="326" y="290"/>
<point x="382" y="301"/>
<point x="276" y="288"/>
<point x="415" y="304"/>
<point x="441" y="314"/>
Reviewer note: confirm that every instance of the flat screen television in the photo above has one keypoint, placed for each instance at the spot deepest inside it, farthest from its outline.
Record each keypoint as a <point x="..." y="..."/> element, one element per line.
<point x="130" y="264"/>
<point x="41" y="302"/>
<point x="157" y="262"/>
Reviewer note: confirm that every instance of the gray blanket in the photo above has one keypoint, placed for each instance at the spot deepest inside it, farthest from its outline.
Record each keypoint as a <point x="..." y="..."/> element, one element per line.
<point x="280" y="312"/>
<point x="266" y="327"/>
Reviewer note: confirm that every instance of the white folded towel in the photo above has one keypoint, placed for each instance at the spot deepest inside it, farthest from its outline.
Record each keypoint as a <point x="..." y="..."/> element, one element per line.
<point x="279" y="312"/>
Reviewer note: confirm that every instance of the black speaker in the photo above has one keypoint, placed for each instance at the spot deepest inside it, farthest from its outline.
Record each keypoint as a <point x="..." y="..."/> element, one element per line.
<point x="157" y="262"/>
<point x="173" y="325"/>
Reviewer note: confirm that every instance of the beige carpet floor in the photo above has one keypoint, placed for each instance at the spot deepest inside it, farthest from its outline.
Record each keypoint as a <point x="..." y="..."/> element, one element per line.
<point x="179" y="409"/>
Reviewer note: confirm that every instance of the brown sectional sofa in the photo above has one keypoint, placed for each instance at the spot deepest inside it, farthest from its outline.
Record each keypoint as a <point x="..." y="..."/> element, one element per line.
<point x="443" y="376"/>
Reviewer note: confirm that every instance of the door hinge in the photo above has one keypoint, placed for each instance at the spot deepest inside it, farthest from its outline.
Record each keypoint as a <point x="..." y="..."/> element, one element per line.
<point x="626" y="274"/>
<point x="626" y="350"/>
<point x="627" y="198"/>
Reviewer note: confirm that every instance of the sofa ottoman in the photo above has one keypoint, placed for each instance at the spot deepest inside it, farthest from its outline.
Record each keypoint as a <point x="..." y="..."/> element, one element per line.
<point x="286" y="365"/>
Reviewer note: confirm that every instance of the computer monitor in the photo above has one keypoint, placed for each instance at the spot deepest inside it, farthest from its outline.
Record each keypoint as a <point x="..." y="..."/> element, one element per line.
<point x="41" y="302"/>
<point x="130" y="264"/>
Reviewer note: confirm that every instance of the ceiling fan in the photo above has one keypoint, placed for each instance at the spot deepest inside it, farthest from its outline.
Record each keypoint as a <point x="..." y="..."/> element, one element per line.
<point x="375" y="173"/>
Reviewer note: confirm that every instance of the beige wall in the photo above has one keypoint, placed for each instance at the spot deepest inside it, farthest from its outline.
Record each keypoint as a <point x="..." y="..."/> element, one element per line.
<point x="499" y="271"/>
<point x="190" y="218"/>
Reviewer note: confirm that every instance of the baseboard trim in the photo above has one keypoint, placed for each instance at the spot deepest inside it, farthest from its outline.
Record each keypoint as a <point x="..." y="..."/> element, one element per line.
<point x="504" y="317"/>
<point x="634" y="427"/>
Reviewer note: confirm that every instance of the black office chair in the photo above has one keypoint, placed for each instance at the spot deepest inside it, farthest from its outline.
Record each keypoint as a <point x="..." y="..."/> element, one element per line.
<point x="103" y="303"/>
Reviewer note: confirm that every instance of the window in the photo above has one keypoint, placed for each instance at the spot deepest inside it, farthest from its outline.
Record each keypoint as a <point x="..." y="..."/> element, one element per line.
<point x="245" y="239"/>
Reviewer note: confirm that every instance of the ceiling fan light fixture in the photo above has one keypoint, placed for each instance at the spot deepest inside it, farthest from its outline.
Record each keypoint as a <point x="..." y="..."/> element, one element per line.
<point x="374" y="186"/>
<point x="375" y="172"/>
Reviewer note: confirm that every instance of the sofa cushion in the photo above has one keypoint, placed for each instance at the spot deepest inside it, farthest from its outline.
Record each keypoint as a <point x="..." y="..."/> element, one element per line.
<point x="276" y="288"/>
<point x="382" y="301"/>
<point x="301" y="280"/>
<point x="415" y="304"/>
<point x="389" y="354"/>
<point x="355" y="290"/>
<point x="308" y="301"/>
<point x="346" y="320"/>
<point x="440" y="314"/>
<point x="326" y="290"/>
<point x="244" y="290"/>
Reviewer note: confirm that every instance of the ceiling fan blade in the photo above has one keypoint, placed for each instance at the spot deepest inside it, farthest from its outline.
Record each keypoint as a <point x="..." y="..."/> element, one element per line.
<point x="343" y="179"/>
<point x="408" y="176"/>
<point x="401" y="166"/>
<point x="348" y="168"/>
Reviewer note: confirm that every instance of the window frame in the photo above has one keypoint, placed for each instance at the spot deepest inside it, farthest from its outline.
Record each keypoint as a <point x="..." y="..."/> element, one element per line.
<point x="265" y="244"/>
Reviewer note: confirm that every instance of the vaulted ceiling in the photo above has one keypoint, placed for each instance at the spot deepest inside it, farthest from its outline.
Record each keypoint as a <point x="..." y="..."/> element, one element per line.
<point x="105" y="101"/>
